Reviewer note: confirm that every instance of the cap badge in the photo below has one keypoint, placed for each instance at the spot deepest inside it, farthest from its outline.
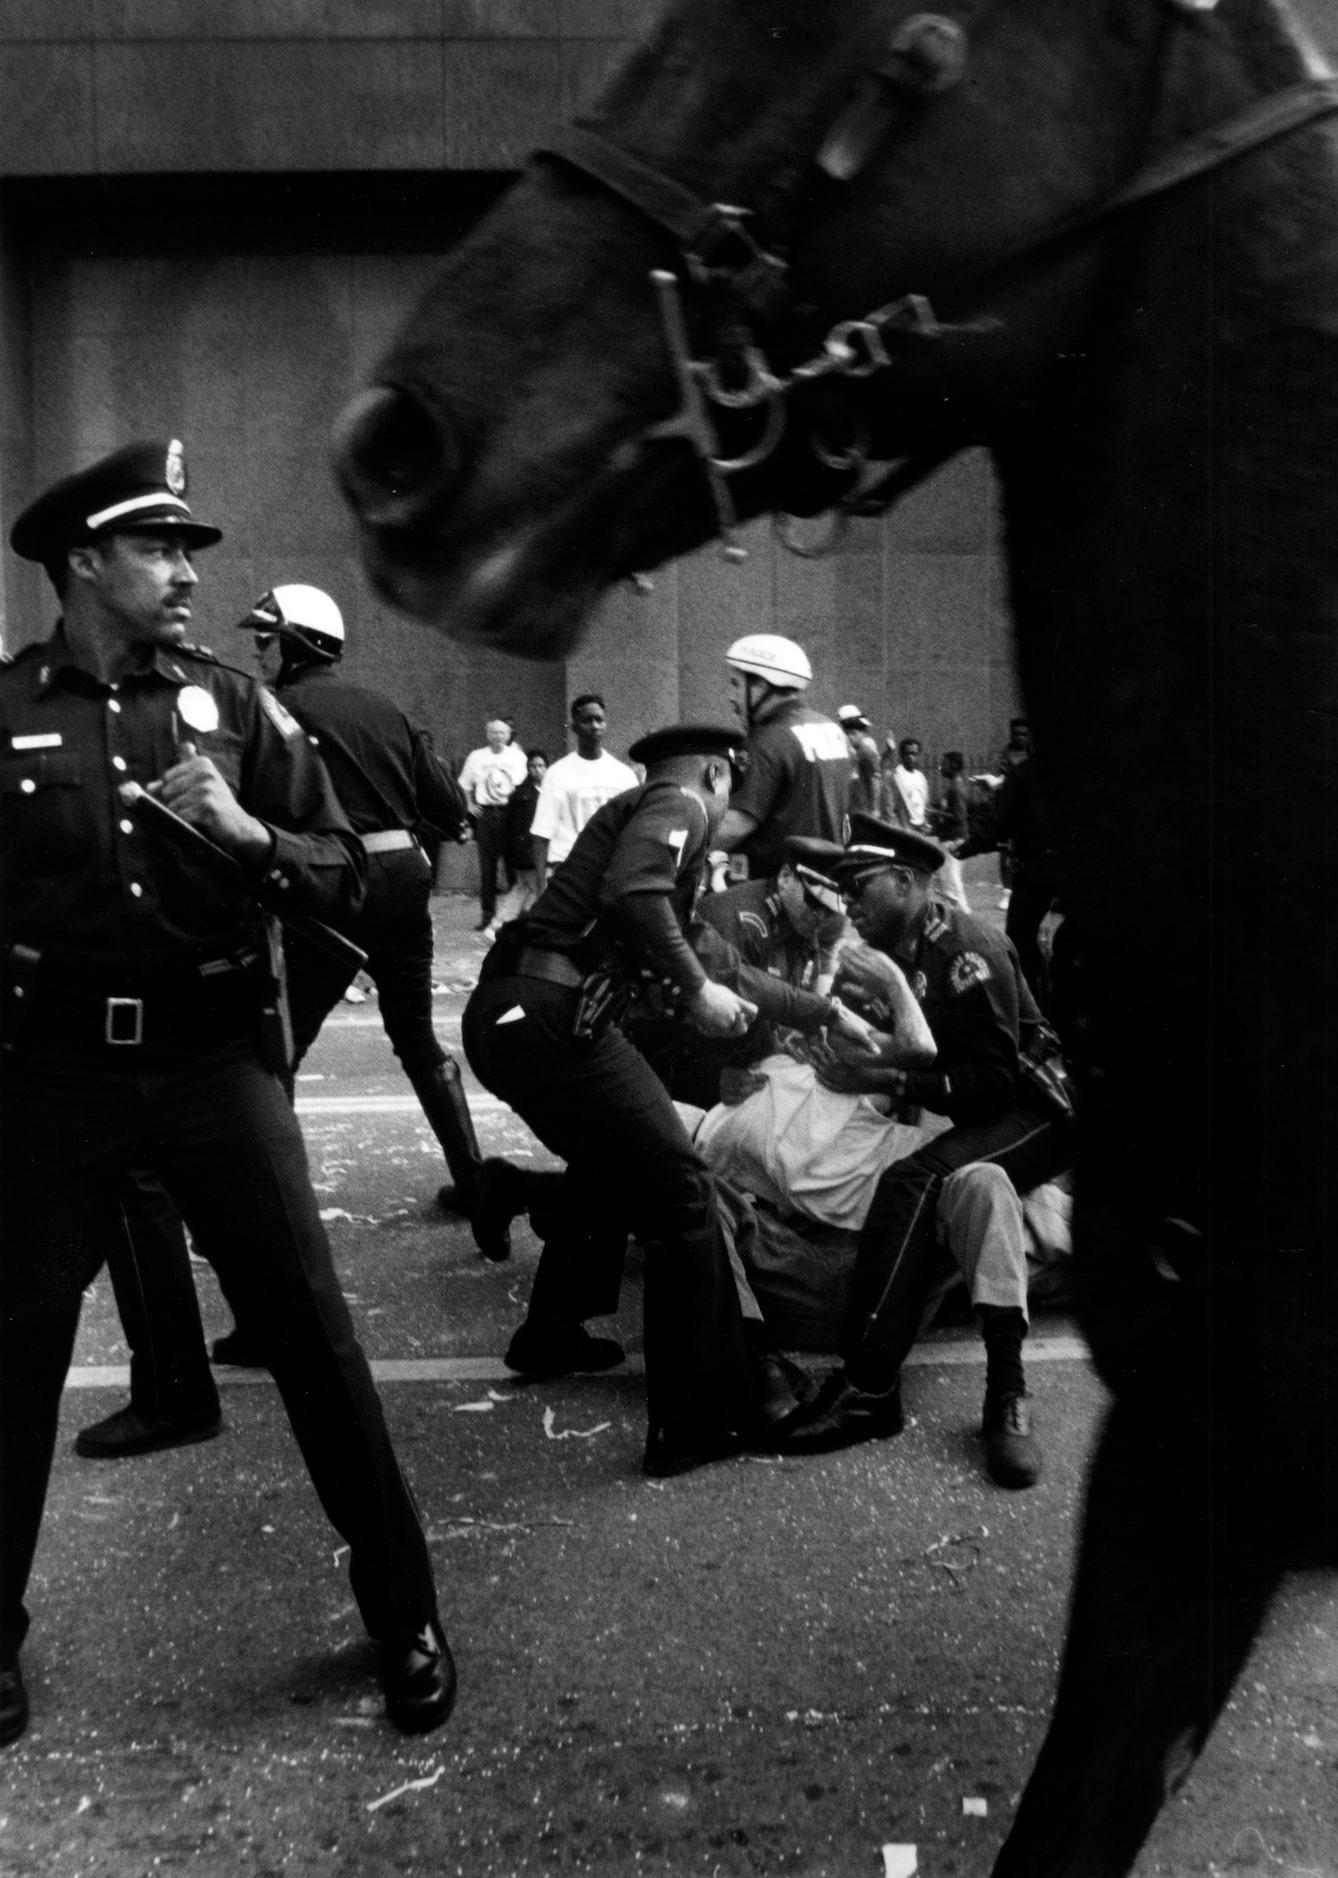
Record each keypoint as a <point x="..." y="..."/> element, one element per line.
<point x="196" y="707"/>
<point x="174" y="472"/>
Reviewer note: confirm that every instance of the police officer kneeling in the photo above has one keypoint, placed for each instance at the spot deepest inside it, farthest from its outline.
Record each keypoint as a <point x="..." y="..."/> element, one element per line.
<point x="133" y="960"/>
<point x="540" y="1031"/>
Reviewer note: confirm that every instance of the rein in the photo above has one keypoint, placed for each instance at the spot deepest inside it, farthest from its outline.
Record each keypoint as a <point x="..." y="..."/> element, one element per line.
<point x="718" y="250"/>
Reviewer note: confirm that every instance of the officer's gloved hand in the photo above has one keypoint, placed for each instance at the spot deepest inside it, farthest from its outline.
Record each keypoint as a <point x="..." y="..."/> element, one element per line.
<point x="717" y="1011"/>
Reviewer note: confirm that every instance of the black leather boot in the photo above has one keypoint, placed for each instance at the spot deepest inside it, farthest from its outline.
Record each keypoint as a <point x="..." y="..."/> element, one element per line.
<point x="441" y="1092"/>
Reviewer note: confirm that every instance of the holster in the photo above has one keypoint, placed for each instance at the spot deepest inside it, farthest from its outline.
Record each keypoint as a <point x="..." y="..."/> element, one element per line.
<point x="603" y="999"/>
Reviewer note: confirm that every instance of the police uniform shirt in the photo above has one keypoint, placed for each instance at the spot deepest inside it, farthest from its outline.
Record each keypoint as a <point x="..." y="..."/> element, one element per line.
<point x="966" y="978"/>
<point x="797" y="783"/>
<point x="745" y="942"/>
<point x="648" y="844"/>
<point x="753" y="920"/>
<point x="85" y="879"/>
<point x="383" y="771"/>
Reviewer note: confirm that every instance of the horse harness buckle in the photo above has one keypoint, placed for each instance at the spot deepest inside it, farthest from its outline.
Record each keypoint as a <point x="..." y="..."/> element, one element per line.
<point x="124" y="1022"/>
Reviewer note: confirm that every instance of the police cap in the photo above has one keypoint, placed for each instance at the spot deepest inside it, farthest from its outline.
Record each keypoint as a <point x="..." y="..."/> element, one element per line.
<point x="686" y="740"/>
<point x="873" y="844"/>
<point x="810" y="851"/>
<point x="849" y="715"/>
<point x="142" y="486"/>
<point x="813" y="863"/>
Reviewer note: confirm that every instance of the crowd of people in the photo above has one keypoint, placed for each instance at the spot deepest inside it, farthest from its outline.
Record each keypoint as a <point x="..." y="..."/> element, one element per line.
<point x="812" y="1097"/>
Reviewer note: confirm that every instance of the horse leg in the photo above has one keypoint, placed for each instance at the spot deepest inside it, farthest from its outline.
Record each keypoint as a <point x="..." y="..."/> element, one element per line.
<point x="1171" y="1588"/>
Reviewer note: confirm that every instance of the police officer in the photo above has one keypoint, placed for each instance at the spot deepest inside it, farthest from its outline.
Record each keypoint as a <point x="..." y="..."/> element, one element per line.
<point x="993" y="1076"/>
<point x="774" y="941"/>
<point x="131" y="994"/>
<point x="540" y="1031"/>
<point x="797" y="777"/>
<point x="389" y="784"/>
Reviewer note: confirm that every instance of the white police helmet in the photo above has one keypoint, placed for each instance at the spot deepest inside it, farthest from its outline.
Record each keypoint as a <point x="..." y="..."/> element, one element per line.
<point x="301" y="613"/>
<point x="780" y="662"/>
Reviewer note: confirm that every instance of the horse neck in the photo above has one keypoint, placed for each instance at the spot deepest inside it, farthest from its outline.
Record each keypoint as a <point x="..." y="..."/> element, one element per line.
<point x="1207" y="417"/>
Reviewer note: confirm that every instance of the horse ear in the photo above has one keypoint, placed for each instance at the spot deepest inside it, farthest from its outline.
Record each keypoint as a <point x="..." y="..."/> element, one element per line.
<point x="926" y="54"/>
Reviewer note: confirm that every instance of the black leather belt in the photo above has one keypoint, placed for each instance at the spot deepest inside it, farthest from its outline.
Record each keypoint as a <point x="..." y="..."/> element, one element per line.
<point x="176" y="1018"/>
<point x="555" y="968"/>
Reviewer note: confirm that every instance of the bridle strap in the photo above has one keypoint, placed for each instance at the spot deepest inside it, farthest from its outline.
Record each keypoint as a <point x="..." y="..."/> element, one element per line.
<point x="1258" y="124"/>
<point x="678" y="210"/>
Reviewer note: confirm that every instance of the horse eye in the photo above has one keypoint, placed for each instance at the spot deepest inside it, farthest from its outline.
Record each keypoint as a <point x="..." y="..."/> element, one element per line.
<point x="926" y="53"/>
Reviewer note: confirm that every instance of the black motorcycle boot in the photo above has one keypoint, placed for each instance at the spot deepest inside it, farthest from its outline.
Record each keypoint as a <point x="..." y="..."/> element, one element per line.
<point x="441" y="1093"/>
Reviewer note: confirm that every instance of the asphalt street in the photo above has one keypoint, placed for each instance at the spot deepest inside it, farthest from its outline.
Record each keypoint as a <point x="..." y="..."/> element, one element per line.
<point x="834" y="1667"/>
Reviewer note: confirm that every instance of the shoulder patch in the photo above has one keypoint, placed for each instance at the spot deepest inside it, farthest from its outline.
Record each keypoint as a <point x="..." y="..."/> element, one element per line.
<point x="967" y="969"/>
<point x="282" y="720"/>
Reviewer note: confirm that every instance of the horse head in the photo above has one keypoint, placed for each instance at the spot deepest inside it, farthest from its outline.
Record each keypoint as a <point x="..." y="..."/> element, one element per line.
<point x="543" y="425"/>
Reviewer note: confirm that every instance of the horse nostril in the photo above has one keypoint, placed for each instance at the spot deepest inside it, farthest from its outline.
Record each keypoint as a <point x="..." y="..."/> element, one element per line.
<point x="395" y="461"/>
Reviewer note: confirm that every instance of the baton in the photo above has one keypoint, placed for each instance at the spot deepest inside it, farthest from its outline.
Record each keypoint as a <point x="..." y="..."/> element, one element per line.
<point x="185" y="835"/>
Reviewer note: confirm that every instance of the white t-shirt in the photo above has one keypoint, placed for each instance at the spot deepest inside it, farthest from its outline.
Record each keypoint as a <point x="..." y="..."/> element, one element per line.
<point x="489" y="776"/>
<point x="570" y="793"/>
<point x="914" y="787"/>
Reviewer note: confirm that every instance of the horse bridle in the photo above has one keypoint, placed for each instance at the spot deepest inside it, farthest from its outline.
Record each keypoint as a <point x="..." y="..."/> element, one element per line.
<point x="718" y="251"/>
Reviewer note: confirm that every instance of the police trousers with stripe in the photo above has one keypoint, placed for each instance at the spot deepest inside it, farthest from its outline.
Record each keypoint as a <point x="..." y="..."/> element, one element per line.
<point x="898" y="1243"/>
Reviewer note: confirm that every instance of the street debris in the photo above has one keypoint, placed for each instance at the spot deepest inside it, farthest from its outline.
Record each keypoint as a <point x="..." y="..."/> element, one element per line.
<point x="973" y="1808"/>
<point x="571" y="1434"/>
<point x="899" y="1861"/>
<point x="410" y="1786"/>
<point x="961" y="1553"/>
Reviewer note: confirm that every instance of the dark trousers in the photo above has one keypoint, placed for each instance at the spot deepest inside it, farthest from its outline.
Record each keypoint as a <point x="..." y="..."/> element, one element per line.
<point x="150" y="1271"/>
<point x="394" y="929"/>
<point x="490" y="836"/>
<point x="220" y="1134"/>
<point x="898" y="1245"/>
<point x="630" y="1163"/>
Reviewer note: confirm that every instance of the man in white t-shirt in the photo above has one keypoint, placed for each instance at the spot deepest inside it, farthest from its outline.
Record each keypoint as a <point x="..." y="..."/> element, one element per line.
<point x="575" y="786"/>
<point x="488" y="778"/>
<point x="911" y="804"/>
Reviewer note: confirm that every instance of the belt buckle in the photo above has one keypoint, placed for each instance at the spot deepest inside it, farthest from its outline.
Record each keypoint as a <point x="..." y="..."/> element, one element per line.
<point x="125" y="1014"/>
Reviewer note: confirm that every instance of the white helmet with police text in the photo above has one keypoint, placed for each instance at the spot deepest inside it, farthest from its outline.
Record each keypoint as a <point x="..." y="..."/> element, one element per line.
<point x="779" y="662"/>
<point x="299" y="613"/>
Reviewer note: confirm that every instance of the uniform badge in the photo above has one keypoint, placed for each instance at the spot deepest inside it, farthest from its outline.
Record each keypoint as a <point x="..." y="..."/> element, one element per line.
<point x="967" y="969"/>
<point x="196" y="707"/>
<point x="174" y="470"/>
<point x="282" y="720"/>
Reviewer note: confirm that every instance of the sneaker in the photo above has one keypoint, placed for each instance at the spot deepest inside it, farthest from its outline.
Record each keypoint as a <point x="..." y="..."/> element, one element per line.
<point x="1012" y="1453"/>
